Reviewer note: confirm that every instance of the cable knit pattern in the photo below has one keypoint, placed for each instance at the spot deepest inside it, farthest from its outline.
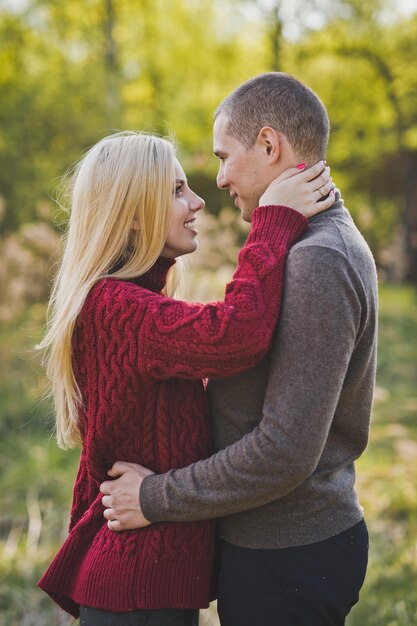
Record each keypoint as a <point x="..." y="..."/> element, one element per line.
<point x="139" y="359"/>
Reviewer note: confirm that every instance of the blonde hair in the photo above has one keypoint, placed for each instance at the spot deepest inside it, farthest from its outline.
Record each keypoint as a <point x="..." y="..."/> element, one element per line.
<point x="125" y="180"/>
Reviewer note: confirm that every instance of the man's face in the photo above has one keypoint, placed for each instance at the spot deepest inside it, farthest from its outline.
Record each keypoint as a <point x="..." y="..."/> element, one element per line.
<point x="240" y="170"/>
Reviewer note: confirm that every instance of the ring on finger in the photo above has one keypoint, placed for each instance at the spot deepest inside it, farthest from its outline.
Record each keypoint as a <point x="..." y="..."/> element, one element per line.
<point x="321" y="193"/>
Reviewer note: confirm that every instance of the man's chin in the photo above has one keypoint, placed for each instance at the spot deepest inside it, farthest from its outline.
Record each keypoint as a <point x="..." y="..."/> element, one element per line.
<point x="247" y="214"/>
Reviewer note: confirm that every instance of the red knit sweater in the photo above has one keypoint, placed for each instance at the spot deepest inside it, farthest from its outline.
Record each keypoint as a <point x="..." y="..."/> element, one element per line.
<point x="139" y="360"/>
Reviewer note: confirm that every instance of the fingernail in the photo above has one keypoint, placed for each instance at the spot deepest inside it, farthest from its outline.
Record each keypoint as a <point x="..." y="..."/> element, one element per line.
<point x="300" y="166"/>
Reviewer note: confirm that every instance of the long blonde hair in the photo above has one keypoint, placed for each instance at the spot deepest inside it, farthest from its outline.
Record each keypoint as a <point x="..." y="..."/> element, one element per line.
<point x="125" y="180"/>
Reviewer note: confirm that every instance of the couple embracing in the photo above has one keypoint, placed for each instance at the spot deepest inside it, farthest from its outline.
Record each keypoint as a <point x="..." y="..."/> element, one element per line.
<point x="241" y="488"/>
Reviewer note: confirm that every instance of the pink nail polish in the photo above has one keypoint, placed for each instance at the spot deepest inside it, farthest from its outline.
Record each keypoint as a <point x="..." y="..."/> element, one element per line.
<point x="300" y="166"/>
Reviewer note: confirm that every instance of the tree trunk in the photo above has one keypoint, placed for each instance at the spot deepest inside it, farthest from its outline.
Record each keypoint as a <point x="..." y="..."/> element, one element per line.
<point x="410" y="220"/>
<point x="111" y="63"/>
<point x="276" y="37"/>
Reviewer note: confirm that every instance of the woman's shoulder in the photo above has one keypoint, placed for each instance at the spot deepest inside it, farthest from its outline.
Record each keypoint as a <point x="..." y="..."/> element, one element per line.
<point x="114" y="288"/>
<point x="111" y="296"/>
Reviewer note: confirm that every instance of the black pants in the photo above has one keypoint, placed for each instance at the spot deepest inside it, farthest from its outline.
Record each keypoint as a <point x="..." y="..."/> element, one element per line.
<point x="141" y="617"/>
<point x="311" y="585"/>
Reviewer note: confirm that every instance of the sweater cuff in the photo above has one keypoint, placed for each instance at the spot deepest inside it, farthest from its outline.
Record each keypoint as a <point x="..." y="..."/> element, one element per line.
<point x="151" y="498"/>
<point x="279" y="225"/>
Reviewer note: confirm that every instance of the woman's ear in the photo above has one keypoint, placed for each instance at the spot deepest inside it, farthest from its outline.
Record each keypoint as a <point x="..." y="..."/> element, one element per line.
<point x="135" y="225"/>
<point x="269" y="142"/>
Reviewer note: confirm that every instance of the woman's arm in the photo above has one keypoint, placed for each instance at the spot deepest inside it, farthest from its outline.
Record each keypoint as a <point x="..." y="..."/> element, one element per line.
<point x="166" y="338"/>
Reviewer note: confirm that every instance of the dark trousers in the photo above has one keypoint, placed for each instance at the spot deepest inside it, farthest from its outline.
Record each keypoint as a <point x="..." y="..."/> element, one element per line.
<point x="141" y="617"/>
<point x="311" y="585"/>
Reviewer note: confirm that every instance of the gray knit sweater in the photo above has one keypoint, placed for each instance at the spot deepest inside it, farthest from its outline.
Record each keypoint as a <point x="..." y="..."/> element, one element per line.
<point x="289" y="430"/>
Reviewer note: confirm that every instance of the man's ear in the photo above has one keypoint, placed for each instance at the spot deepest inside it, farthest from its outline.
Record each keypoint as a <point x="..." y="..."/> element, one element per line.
<point x="269" y="141"/>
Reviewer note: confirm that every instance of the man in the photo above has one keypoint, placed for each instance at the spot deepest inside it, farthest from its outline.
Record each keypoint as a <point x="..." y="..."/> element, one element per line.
<point x="293" y="542"/>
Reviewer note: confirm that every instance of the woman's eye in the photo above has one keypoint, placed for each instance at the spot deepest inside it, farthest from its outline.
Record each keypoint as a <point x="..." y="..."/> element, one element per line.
<point x="178" y="190"/>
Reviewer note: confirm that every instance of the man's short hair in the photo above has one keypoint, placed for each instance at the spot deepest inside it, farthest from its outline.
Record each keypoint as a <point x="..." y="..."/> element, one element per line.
<point x="278" y="100"/>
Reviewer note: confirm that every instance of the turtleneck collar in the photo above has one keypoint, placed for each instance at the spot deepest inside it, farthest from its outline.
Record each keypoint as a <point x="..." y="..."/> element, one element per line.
<point x="155" y="278"/>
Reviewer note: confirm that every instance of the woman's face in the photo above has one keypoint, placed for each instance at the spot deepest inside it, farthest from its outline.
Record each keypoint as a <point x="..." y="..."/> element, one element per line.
<point x="182" y="232"/>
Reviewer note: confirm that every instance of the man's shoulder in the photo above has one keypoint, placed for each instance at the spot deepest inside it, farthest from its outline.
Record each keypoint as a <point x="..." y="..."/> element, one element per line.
<point x="333" y="235"/>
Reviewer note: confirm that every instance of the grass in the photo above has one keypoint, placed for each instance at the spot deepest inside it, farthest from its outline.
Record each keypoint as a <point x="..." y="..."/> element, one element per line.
<point x="36" y="479"/>
<point x="387" y="473"/>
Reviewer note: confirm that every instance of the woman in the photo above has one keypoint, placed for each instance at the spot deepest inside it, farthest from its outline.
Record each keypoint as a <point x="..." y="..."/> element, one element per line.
<point x="126" y="363"/>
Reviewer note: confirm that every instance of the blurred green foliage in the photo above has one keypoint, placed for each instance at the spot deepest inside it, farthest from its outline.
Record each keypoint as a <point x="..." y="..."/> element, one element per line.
<point x="387" y="472"/>
<point x="71" y="72"/>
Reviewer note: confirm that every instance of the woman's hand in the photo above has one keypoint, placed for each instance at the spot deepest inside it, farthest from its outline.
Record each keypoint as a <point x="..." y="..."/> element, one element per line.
<point x="303" y="191"/>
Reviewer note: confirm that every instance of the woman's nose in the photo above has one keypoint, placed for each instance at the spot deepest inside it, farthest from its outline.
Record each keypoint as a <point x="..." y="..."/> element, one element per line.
<point x="197" y="203"/>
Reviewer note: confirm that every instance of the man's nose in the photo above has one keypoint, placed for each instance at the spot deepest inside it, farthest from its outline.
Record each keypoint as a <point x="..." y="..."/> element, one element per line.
<point x="221" y="179"/>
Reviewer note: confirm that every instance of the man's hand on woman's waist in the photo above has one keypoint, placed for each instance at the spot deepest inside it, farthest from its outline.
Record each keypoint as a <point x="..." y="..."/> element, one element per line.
<point x="121" y="496"/>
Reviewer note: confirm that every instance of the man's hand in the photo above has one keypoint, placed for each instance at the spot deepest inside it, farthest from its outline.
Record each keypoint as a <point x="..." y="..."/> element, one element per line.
<point x="121" y="496"/>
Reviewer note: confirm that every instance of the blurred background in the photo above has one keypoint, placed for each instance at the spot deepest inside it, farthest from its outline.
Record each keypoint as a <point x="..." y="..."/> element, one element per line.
<point x="73" y="71"/>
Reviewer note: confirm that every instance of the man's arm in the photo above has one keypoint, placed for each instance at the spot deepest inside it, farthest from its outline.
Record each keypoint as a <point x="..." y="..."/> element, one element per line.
<point x="316" y="336"/>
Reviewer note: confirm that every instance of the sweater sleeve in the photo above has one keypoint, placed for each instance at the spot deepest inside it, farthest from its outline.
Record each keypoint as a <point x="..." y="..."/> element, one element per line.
<point x="316" y="337"/>
<point x="165" y="338"/>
